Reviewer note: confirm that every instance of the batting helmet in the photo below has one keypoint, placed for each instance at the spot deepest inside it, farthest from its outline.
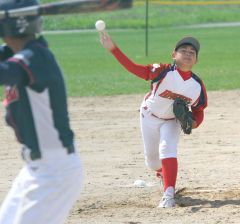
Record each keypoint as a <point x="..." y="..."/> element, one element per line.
<point x="18" y="26"/>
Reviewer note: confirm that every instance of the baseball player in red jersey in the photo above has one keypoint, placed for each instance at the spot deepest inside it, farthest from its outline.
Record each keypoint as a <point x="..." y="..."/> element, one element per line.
<point x="159" y="127"/>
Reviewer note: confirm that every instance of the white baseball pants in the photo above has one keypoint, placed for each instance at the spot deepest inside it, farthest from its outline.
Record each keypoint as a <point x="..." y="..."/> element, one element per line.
<point x="160" y="138"/>
<point x="44" y="191"/>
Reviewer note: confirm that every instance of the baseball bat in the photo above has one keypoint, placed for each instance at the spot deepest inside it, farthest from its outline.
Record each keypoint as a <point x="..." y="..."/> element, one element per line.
<point x="67" y="7"/>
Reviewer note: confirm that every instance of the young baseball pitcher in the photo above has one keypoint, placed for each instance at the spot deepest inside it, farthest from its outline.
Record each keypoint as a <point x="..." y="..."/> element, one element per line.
<point x="36" y="108"/>
<point x="165" y="109"/>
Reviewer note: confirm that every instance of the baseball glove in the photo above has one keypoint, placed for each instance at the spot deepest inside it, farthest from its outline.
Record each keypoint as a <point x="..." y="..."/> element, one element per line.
<point x="183" y="114"/>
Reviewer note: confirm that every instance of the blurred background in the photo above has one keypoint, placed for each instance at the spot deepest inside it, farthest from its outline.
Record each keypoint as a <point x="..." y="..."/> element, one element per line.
<point x="147" y="32"/>
<point x="160" y="13"/>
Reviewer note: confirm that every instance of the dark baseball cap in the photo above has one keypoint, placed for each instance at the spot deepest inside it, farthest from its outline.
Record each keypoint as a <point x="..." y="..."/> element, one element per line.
<point x="189" y="40"/>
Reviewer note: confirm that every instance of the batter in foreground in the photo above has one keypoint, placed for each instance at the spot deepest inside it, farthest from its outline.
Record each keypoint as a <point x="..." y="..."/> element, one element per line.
<point x="36" y="108"/>
<point x="176" y="101"/>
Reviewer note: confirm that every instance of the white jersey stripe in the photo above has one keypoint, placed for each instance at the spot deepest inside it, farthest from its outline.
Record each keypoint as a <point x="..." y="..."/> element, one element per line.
<point x="44" y="125"/>
<point x="164" y="92"/>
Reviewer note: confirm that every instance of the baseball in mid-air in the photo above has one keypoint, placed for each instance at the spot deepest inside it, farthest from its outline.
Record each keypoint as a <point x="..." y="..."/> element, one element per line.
<point x="100" y="25"/>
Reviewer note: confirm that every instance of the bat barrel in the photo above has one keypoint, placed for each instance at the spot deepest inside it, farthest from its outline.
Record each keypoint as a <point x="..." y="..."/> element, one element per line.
<point x="67" y="7"/>
<point x="26" y="11"/>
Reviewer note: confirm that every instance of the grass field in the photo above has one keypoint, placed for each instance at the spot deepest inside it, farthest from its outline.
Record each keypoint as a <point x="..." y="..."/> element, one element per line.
<point x="159" y="16"/>
<point x="90" y="70"/>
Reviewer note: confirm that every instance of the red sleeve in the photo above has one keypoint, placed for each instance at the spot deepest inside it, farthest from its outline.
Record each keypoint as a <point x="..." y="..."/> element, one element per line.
<point x="202" y="101"/>
<point x="138" y="70"/>
<point x="198" y="116"/>
<point x="201" y="104"/>
<point x="147" y="72"/>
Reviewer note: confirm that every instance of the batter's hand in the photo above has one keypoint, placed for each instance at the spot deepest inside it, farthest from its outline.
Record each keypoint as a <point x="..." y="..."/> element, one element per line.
<point x="106" y="41"/>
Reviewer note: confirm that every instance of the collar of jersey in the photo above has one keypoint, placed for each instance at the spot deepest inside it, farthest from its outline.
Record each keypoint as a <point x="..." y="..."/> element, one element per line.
<point x="185" y="75"/>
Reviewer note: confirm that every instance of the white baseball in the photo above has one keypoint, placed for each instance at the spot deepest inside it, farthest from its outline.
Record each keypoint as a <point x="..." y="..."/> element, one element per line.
<point x="139" y="183"/>
<point x="100" y="25"/>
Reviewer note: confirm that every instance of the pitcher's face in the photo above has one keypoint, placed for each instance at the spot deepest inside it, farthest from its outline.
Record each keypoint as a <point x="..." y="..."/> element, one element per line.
<point x="185" y="56"/>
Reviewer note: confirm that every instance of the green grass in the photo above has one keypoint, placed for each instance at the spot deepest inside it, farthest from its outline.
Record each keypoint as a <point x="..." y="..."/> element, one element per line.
<point x="159" y="16"/>
<point x="90" y="70"/>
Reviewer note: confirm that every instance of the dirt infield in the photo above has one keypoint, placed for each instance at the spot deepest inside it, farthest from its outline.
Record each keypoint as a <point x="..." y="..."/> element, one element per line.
<point x="109" y="139"/>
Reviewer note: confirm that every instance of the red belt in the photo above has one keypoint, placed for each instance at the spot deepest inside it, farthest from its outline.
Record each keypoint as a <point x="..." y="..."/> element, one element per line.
<point x="165" y="119"/>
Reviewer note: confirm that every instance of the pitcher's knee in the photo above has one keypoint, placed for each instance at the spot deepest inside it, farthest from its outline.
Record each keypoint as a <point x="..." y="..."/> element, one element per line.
<point x="153" y="164"/>
<point x="168" y="152"/>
